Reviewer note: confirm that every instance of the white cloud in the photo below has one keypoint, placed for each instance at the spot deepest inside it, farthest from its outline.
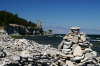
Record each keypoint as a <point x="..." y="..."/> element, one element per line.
<point x="98" y="29"/>
<point x="65" y="30"/>
<point x="56" y="29"/>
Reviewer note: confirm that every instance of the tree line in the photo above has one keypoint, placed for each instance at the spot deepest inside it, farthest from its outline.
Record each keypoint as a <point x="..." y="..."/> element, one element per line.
<point x="7" y="18"/>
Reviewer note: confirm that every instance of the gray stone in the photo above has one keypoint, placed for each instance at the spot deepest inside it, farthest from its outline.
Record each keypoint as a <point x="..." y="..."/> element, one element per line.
<point x="75" y="39"/>
<point x="78" y="51"/>
<point x="94" y="53"/>
<point x="15" y="58"/>
<point x="83" y="44"/>
<point x="88" y="50"/>
<point x="83" y="37"/>
<point x="74" y="46"/>
<point x="68" y="43"/>
<point x="69" y="63"/>
<point x="77" y="58"/>
<point x="25" y="54"/>
<point x="89" y="56"/>
<point x="67" y="50"/>
<point x="66" y="46"/>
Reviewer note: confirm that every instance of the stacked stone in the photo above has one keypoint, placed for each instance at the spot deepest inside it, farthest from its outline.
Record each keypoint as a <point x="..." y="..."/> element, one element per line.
<point x="76" y="50"/>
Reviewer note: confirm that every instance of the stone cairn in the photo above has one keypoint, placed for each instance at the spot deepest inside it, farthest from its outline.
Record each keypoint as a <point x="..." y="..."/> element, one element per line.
<point x="77" y="50"/>
<point x="74" y="50"/>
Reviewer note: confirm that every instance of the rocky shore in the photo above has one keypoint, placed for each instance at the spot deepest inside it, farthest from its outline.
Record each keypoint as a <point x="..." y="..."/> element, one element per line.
<point x="74" y="50"/>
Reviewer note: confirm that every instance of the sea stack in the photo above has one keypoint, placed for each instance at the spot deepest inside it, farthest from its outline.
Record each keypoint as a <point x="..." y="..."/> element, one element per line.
<point x="77" y="50"/>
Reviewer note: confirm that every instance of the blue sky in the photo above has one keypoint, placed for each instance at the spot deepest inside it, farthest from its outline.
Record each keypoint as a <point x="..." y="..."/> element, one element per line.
<point x="58" y="15"/>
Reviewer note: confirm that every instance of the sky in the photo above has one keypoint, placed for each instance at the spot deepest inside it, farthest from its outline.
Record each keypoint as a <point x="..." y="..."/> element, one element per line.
<point x="58" y="15"/>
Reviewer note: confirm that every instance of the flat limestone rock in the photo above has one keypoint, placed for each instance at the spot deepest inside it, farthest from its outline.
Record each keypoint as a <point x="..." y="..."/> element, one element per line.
<point x="83" y="37"/>
<point x="77" y="58"/>
<point x="83" y="44"/>
<point x="69" y="63"/>
<point x="67" y="50"/>
<point x="74" y="46"/>
<point x="25" y="54"/>
<point x="78" y="51"/>
<point x="15" y="58"/>
<point x="89" y="56"/>
<point x="75" y="39"/>
<point x="88" y="50"/>
<point x="68" y="43"/>
<point x="66" y="46"/>
<point x="94" y="53"/>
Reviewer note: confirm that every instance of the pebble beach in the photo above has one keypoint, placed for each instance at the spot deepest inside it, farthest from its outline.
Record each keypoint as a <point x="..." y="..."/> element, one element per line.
<point x="74" y="50"/>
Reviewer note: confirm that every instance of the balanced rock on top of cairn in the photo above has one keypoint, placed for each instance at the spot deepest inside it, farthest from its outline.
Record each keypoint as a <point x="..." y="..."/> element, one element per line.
<point x="77" y="49"/>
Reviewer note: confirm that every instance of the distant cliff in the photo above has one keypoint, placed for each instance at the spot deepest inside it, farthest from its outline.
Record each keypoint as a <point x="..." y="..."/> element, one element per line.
<point x="15" y="29"/>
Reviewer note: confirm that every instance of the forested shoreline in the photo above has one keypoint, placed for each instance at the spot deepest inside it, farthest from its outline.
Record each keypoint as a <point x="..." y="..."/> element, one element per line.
<point x="7" y="18"/>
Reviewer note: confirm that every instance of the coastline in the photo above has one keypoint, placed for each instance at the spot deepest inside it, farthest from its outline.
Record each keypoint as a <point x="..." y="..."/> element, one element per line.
<point x="30" y="35"/>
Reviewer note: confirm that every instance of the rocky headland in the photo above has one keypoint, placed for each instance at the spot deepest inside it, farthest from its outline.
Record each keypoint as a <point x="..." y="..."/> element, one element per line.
<point x="74" y="50"/>
<point x="18" y="30"/>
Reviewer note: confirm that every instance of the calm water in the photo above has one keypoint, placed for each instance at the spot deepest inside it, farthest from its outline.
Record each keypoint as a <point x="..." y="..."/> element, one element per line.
<point x="56" y="40"/>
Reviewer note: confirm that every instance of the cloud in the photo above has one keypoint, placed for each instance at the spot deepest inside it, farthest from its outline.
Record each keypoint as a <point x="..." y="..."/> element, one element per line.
<point x="65" y="30"/>
<point x="56" y="29"/>
<point x="48" y="22"/>
<point x="98" y="29"/>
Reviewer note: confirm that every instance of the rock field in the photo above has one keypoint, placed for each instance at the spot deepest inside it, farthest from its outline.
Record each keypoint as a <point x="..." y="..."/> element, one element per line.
<point x="74" y="50"/>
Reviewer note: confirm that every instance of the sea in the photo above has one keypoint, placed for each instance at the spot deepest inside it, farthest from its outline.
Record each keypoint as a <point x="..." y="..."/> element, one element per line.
<point x="57" y="39"/>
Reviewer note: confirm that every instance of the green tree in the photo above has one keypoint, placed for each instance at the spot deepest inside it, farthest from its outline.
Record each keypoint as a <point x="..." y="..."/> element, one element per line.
<point x="7" y="18"/>
<point x="50" y="31"/>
